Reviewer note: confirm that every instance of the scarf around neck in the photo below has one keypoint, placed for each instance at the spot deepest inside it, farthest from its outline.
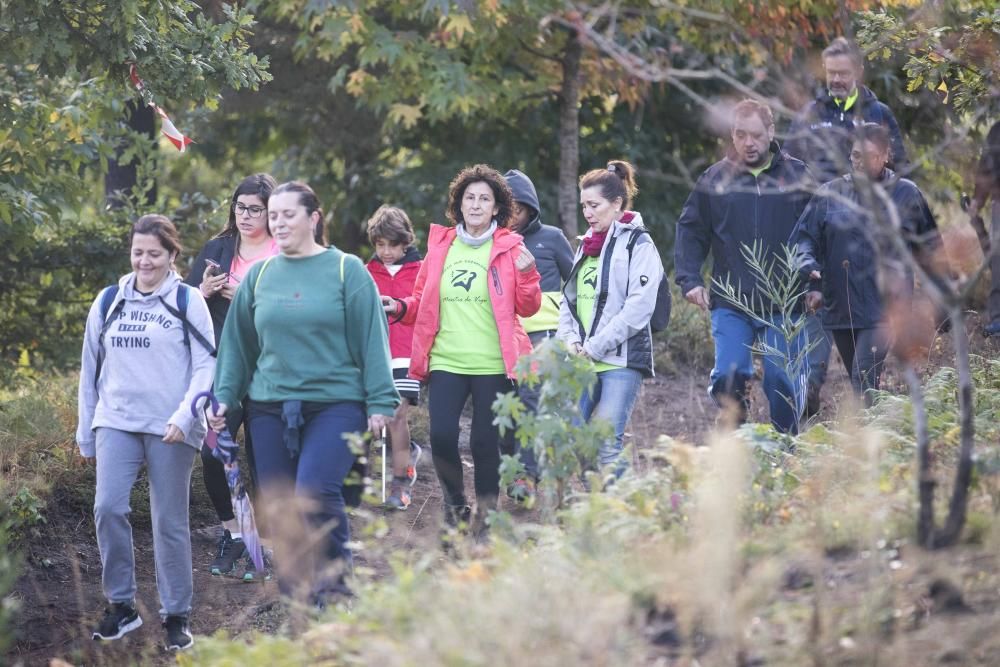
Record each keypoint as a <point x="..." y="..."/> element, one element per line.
<point x="592" y="244"/>
<point x="475" y="241"/>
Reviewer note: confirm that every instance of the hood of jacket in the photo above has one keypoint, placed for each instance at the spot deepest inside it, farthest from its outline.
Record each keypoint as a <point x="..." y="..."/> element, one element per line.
<point x="524" y="193"/>
<point x="127" y="290"/>
<point x="410" y="255"/>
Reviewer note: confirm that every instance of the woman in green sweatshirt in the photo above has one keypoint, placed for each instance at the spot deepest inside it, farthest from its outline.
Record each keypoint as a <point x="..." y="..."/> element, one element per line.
<point x="307" y="341"/>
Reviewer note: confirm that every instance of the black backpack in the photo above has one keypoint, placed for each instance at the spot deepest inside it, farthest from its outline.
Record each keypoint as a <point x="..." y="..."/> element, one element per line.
<point x="661" y="312"/>
<point x="108" y="296"/>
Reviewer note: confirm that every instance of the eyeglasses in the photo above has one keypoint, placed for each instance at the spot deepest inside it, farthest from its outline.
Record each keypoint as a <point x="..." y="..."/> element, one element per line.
<point x="251" y="211"/>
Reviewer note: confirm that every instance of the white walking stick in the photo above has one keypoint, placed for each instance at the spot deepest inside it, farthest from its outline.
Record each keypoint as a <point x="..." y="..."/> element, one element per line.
<point x="383" y="465"/>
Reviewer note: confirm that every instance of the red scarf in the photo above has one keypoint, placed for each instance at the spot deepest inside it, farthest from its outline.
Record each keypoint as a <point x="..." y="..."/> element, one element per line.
<point x="593" y="244"/>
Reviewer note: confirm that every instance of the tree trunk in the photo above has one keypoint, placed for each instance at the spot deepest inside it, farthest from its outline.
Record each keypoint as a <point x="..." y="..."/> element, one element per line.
<point x="925" y="479"/>
<point x="122" y="178"/>
<point x="952" y="528"/>
<point x="569" y="135"/>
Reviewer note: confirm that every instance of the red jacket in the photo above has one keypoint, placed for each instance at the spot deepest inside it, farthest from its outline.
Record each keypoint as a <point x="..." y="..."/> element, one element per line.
<point x="398" y="286"/>
<point x="512" y="293"/>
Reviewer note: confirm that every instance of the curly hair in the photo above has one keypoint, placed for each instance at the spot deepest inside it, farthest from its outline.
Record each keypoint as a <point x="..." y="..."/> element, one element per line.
<point x="481" y="173"/>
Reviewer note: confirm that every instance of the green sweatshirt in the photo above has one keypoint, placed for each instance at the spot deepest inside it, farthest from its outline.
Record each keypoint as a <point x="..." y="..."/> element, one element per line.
<point x="300" y="333"/>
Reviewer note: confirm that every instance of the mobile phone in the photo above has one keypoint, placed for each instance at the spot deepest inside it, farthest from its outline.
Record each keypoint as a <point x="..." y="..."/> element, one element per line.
<point x="214" y="268"/>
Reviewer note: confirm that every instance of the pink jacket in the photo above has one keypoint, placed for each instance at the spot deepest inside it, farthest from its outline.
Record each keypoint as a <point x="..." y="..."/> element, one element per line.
<point x="512" y="293"/>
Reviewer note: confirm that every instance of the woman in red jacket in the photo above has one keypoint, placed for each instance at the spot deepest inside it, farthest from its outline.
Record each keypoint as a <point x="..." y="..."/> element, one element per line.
<point x="476" y="279"/>
<point x="395" y="266"/>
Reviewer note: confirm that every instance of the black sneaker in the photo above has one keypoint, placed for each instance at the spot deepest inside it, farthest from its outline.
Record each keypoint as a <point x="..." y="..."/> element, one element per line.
<point x="178" y="635"/>
<point x="250" y="573"/>
<point x="230" y="551"/>
<point x="120" y="618"/>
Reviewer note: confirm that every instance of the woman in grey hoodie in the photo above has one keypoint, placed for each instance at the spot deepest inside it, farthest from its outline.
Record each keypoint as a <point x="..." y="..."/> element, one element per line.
<point x="146" y="354"/>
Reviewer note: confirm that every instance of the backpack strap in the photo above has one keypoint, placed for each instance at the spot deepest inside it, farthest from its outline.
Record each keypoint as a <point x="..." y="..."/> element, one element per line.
<point x="636" y="233"/>
<point x="181" y="314"/>
<point x="108" y="296"/>
<point x="263" y="268"/>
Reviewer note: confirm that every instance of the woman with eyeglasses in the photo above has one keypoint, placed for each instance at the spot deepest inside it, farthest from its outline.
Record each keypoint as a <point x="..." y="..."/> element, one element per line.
<point x="217" y="272"/>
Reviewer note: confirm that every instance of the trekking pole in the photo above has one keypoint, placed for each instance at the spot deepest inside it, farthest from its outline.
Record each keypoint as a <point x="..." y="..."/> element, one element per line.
<point x="383" y="465"/>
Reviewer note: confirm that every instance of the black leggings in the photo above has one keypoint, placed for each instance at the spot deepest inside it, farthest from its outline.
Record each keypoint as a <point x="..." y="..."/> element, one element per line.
<point x="447" y="393"/>
<point x="215" y="474"/>
<point x="864" y="352"/>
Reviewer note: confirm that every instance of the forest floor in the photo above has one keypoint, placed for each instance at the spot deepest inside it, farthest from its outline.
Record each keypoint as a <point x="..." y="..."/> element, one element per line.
<point x="60" y="585"/>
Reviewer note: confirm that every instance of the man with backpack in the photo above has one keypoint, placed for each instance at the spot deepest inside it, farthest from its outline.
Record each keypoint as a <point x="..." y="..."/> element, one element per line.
<point x="750" y="199"/>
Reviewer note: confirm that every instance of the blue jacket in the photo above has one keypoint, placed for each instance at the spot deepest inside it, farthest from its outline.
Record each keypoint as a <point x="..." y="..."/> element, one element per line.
<point x="730" y="208"/>
<point x="821" y="135"/>
<point x="835" y="237"/>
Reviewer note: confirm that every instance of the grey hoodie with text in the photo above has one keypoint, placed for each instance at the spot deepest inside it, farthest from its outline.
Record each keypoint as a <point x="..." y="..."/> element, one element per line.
<point x="149" y="375"/>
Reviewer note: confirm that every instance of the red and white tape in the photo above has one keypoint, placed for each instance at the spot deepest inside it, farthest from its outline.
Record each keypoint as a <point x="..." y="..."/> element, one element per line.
<point x="167" y="127"/>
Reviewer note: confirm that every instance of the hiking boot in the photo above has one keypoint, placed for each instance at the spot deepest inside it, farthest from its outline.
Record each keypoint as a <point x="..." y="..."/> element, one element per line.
<point x="416" y="451"/>
<point x="230" y="551"/>
<point x="399" y="494"/>
<point x="457" y="516"/>
<point x="120" y="618"/>
<point x="178" y="635"/>
<point x="250" y="573"/>
<point x="522" y="491"/>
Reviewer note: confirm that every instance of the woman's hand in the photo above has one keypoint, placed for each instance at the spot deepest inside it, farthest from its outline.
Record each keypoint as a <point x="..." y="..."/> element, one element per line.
<point x="579" y="351"/>
<point x="212" y="285"/>
<point x="228" y="291"/>
<point x="173" y="434"/>
<point x="217" y="420"/>
<point x="525" y="260"/>
<point x="376" y="423"/>
<point x="389" y="305"/>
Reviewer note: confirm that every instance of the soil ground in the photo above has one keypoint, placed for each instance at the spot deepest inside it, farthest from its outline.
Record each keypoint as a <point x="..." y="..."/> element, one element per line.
<point x="60" y="591"/>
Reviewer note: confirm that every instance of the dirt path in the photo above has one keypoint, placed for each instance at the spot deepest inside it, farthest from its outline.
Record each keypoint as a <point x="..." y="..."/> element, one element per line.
<point x="60" y="593"/>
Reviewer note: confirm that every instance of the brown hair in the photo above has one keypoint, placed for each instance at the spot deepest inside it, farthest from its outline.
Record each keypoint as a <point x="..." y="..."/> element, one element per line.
<point x="159" y="226"/>
<point x="841" y="47"/>
<point x="617" y="180"/>
<point x="392" y="224"/>
<point x="749" y="107"/>
<point x="309" y="200"/>
<point x="259" y="184"/>
<point x="480" y="173"/>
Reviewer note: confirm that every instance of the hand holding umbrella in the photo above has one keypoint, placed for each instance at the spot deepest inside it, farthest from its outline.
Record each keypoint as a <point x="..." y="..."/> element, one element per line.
<point x="226" y="450"/>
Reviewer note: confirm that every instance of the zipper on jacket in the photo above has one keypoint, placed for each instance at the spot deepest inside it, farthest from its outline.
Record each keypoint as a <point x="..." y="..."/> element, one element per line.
<point x="496" y="280"/>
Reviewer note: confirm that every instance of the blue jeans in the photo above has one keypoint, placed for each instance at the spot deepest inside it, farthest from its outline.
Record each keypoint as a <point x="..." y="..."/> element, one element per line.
<point x="735" y="334"/>
<point x="612" y="399"/>
<point x="819" y="355"/>
<point x="316" y="476"/>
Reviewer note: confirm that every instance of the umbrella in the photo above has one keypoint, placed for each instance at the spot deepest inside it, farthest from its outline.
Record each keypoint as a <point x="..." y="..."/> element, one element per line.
<point x="225" y="449"/>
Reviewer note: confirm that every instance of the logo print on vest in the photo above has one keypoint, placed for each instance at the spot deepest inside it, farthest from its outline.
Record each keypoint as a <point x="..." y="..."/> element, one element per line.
<point x="463" y="278"/>
<point x="590" y="276"/>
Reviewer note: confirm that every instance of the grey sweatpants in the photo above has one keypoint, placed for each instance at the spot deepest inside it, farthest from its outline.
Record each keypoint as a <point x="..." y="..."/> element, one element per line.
<point x="120" y="455"/>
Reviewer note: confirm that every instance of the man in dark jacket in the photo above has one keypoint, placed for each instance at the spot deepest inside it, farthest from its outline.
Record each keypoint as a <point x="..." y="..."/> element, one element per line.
<point x="753" y="197"/>
<point x="554" y="261"/>
<point x="822" y="136"/>
<point x="843" y="243"/>
<point x="987" y="187"/>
